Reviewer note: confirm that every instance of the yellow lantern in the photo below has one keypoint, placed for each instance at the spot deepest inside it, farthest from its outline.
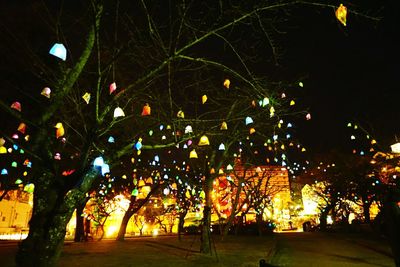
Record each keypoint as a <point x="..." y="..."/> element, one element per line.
<point x="204" y="99"/>
<point x="204" y="141"/>
<point x="341" y="14"/>
<point x="252" y="130"/>
<point x="180" y="114"/>
<point x="86" y="97"/>
<point x="59" y="129"/>
<point x="227" y="83"/>
<point x="141" y="183"/>
<point x="193" y="154"/>
<point x="22" y="127"/>
<point x="224" y="126"/>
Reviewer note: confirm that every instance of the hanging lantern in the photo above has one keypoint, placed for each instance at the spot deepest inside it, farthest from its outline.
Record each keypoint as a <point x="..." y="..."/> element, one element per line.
<point x="146" y="110"/>
<point x="180" y="114"/>
<point x="86" y="97"/>
<point x="188" y="129"/>
<point x="227" y="83"/>
<point x="138" y="144"/>
<point x="204" y="141"/>
<point x="221" y="146"/>
<point x="141" y="183"/>
<point x="166" y="191"/>
<point x="292" y="103"/>
<point x="248" y="120"/>
<point x="111" y="139"/>
<point x="229" y="167"/>
<point x="29" y="188"/>
<point x="118" y="112"/>
<point x="252" y="130"/>
<point x="301" y="84"/>
<point x="264" y="102"/>
<point x="193" y="154"/>
<point x="149" y="180"/>
<point x="46" y="92"/>
<point x="112" y="87"/>
<point x="204" y="99"/>
<point x="4" y="172"/>
<point x="18" y="181"/>
<point x="22" y="127"/>
<point x="59" y="129"/>
<point x="58" y="50"/>
<point x="395" y="148"/>
<point x="16" y="105"/>
<point x="14" y="164"/>
<point x="2" y="141"/>
<point x="98" y="162"/>
<point x="212" y="171"/>
<point x="135" y="192"/>
<point x="174" y="186"/>
<point x="271" y="111"/>
<point x="341" y="14"/>
<point x="308" y="116"/>
<point x="105" y="169"/>
<point x="224" y="126"/>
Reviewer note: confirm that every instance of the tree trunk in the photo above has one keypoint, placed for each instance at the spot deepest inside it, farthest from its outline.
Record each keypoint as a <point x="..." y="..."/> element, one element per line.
<point x="125" y="220"/>
<point x="50" y="216"/>
<point x="323" y="220"/>
<point x="367" y="216"/>
<point x="79" y="229"/>
<point x="391" y="213"/>
<point x="205" y="240"/>
<point x="181" y="223"/>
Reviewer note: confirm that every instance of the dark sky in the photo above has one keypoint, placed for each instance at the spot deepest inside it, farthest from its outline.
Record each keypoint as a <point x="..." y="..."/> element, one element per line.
<point x="351" y="74"/>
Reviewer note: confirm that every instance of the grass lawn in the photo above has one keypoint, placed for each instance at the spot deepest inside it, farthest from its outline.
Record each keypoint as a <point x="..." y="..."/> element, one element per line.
<point x="168" y="251"/>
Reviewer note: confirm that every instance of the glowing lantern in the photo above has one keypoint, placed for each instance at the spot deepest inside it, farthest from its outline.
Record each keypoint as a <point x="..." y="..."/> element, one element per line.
<point x="303" y="150"/>
<point x="16" y="106"/>
<point x="111" y="139"/>
<point x="135" y="192"/>
<point x="166" y="191"/>
<point x="229" y="167"/>
<point x="252" y="130"/>
<point x="105" y="168"/>
<point x="14" y="136"/>
<point x="212" y="171"/>
<point x="271" y="111"/>
<point x="248" y="120"/>
<point x="224" y="126"/>
<point x="258" y="170"/>
<point x="283" y="95"/>
<point x="204" y="141"/>
<point x="149" y="180"/>
<point x="202" y="194"/>
<point x="341" y="14"/>
<point x="118" y="112"/>
<point x="227" y="83"/>
<point x="301" y="84"/>
<point x="57" y="156"/>
<point x="86" y="97"/>
<point x="204" y="99"/>
<point x="29" y="188"/>
<point x="264" y="102"/>
<point x="59" y="129"/>
<point x="349" y="124"/>
<point x="308" y="116"/>
<point x="46" y="92"/>
<point x="14" y="164"/>
<point x="2" y="141"/>
<point x="292" y="103"/>
<point x="193" y="154"/>
<point x="138" y="144"/>
<point x="289" y="125"/>
<point x="141" y="183"/>
<point x="180" y="114"/>
<point x="58" y="50"/>
<point x="18" y="181"/>
<point x="22" y="127"/>
<point x="352" y="137"/>
<point x="174" y="186"/>
<point x="373" y="142"/>
<point x="221" y="147"/>
<point x="98" y="162"/>
<point x="146" y="110"/>
<point x="395" y="148"/>
<point x="4" y="172"/>
<point x="188" y="129"/>
<point x="113" y="87"/>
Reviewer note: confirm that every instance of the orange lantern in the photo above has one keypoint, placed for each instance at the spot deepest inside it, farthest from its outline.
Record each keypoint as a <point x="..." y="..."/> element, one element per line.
<point x="146" y="110"/>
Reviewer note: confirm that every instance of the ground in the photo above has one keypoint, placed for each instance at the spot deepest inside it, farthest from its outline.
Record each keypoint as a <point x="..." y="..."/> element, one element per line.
<point x="289" y="249"/>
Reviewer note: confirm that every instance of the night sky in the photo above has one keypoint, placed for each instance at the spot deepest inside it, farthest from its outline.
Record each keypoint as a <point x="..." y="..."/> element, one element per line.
<point x="349" y="73"/>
